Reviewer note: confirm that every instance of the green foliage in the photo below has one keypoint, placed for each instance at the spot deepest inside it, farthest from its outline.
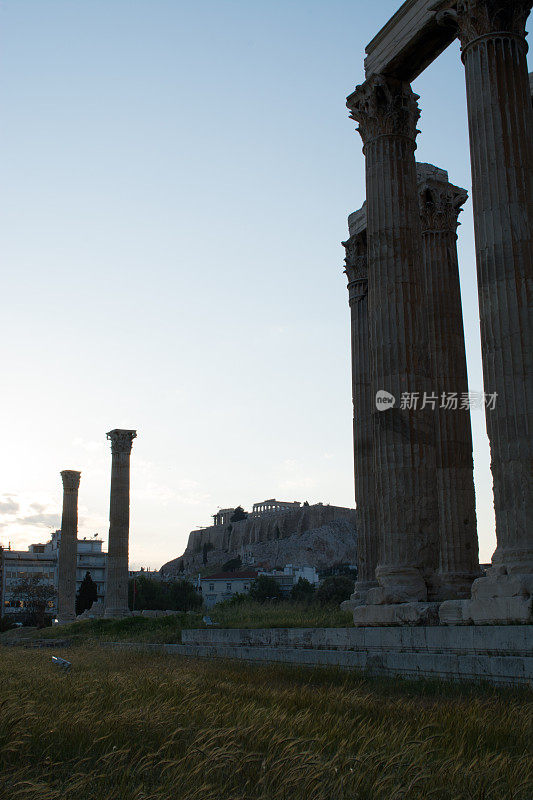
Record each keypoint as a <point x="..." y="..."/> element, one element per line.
<point x="87" y="594"/>
<point x="36" y="598"/>
<point x="6" y="624"/>
<point x="125" y="724"/>
<point x="162" y="595"/>
<point x="338" y="569"/>
<point x="265" y="588"/>
<point x="335" y="589"/>
<point x="238" y="515"/>
<point x="232" y="565"/>
<point x="302" y="590"/>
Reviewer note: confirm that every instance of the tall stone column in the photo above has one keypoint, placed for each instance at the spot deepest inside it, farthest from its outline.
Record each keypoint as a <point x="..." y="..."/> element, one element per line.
<point x="363" y="405"/>
<point x="68" y="548"/>
<point x="116" y="598"/>
<point x="440" y="206"/>
<point x="404" y="447"/>
<point x="492" y="34"/>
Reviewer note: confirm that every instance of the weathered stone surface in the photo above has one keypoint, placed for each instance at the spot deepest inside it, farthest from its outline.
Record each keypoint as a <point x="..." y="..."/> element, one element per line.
<point x="404" y="437"/>
<point x="413" y="38"/>
<point x="440" y="205"/>
<point x="363" y="405"/>
<point x="68" y="548"/>
<point x="116" y="599"/>
<point x="396" y="614"/>
<point x="500" y="116"/>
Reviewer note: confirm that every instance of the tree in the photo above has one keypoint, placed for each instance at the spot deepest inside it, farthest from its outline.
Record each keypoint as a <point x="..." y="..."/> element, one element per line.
<point x="87" y="594"/>
<point x="232" y="565"/>
<point x="265" y="588"/>
<point x="302" y="590"/>
<point x="335" y="589"/>
<point x="35" y="597"/>
<point x="155" y="595"/>
<point x="238" y="515"/>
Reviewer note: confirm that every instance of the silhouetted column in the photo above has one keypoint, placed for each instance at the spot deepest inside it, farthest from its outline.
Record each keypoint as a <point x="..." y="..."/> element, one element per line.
<point x="116" y="599"/>
<point x="363" y="405"/>
<point x="500" y="118"/>
<point x="68" y="548"/>
<point x="404" y="448"/>
<point x="440" y="206"/>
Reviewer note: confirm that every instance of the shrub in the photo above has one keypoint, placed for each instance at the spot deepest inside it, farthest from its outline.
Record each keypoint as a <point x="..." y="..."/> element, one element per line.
<point x="302" y="590"/>
<point x="265" y="588"/>
<point x="335" y="589"/>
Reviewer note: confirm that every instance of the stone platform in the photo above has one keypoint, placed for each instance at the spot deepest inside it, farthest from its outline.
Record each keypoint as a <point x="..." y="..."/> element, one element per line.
<point x="500" y="654"/>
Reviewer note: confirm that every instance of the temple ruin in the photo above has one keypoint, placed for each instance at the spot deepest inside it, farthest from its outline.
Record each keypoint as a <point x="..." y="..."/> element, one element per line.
<point x="418" y="555"/>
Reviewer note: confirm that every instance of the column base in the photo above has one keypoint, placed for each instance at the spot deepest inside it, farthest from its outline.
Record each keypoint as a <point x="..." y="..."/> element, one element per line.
<point x="358" y="598"/>
<point x="498" y="599"/>
<point x="451" y="585"/>
<point x="396" y="614"/>
<point x="117" y="613"/>
<point x="65" y="619"/>
<point x="397" y="585"/>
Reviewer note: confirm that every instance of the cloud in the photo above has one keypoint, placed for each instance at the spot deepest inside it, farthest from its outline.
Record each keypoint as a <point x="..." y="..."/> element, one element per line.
<point x="9" y="506"/>
<point x="40" y="520"/>
<point x="38" y="507"/>
<point x="88" y="445"/>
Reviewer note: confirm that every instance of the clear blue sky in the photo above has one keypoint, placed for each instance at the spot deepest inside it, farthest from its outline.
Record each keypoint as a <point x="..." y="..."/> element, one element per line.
<point x="176" y="181"/>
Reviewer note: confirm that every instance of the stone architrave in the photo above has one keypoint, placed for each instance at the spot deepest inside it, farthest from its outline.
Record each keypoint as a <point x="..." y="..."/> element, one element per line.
<point x="68" y="548"/>
<point x="440" y="206"/>
<point x="357" y="273"/>
<point x="404" y="439"/>
<point x="500" y="119"/>
<point x="116" y="598"/>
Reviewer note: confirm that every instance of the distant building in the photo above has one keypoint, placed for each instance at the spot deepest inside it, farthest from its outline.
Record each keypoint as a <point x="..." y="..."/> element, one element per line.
<point x="272" y="506"/>
<point x="223" y="516"/>
<point x="290" y="575"/>
<point x="42" y="560"/>
<point x="223" y="585"/>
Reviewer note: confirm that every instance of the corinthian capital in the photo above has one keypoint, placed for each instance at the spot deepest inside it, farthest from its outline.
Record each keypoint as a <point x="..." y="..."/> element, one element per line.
<point x="384" y="106"/>
<point x="71" y="479"/>
<point x="121" y="440"/>
<point x="356" y="258"/>
<point x="482" y="17"/>
<point x="440" y="201"/>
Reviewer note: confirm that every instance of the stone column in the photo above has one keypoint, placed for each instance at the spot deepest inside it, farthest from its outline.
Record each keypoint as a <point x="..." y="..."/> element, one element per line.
<point x="440" y="206"/>
<point x="404" y="448"/>
<point x="68" y="548"/>
<point x="116" y="598"/>
<point x="363" y="405"/>
<point x="492" y="34"/>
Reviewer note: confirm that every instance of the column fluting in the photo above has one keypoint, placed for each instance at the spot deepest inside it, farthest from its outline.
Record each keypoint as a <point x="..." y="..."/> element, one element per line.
<point x="404" y="448"/>
<point x="440" y="206"/>
<point x="68" y="547"/>
<point x="116" y="599"/>
<point x="500" y="118"/>
<point x="357" y="273"/>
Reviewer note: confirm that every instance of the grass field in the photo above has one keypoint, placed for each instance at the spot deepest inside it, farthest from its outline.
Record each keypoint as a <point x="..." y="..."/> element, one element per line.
<point x="167" y="630"/>
<point x="137" y="726"/>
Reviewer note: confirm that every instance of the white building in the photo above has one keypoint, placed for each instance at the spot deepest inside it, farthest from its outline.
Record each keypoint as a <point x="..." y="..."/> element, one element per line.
<point x="290" y="575"/>
<point x="223" y="585"/>
<point x="42" y="560"/>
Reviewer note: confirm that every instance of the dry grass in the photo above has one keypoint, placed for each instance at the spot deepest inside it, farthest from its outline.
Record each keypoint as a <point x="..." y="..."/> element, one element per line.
<point x="138" y="726"/>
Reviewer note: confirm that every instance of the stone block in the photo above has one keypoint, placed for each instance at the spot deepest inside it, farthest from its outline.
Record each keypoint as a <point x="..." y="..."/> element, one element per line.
<point x="501" y="610"/>
<point x="411" y="40"/>
<point x="514" y="585"/>
<point x="397" y="614"/>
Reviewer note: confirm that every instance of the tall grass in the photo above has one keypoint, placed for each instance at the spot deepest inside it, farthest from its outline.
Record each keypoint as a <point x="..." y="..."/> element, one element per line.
<point x="124" y="726"/>
<point x="282" y="614"/>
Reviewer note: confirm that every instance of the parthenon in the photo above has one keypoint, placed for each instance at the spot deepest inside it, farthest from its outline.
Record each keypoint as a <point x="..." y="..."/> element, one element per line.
<point x="418" y="555"/>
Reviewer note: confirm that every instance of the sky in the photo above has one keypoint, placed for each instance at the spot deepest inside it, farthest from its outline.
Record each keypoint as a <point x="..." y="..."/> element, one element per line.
<point x="176" y="181"/>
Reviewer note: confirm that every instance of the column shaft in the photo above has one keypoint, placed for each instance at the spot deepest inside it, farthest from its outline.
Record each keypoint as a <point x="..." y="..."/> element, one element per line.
<point x="440" y="204"/>
<point x="404" y="448"/>
<point x="68" y="548"/>
<point x="357" y="272"/>
<point x="501" y="145"/>
<point x="116" y="602"/>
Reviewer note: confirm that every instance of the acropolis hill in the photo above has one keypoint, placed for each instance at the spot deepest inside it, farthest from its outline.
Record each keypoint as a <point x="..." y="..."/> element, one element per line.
<point x="273" y="534"/>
